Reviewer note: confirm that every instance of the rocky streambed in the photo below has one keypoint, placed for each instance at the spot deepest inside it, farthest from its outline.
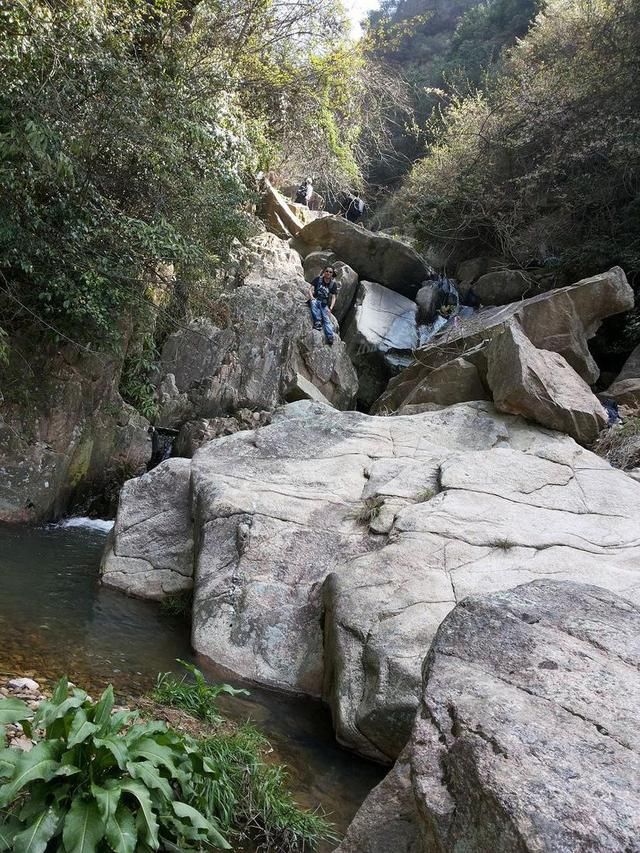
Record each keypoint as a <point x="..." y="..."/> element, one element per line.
<point x="56" y="618"/>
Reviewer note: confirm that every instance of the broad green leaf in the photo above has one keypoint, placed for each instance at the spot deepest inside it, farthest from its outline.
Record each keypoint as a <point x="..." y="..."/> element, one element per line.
<point x="104" y="707"/>
<point x="40" y="763"/>
<point x="37" y="801"/>
<point x="146" y="818"/>
<point x="49" y="712"/>
<point x="154" y="752"/>
<point x="199" y="822"/>
<point x="13" y="711"/>
<point x="148" y="774"/>
<point x="60" y="691"/>
<point x="141" y="730"/>
<point x="81" y="728"/>
<point x="120" y="719"/>
<point x="8" y="830"/>
<point x="8" y="759"/>
<point x="39" y="832"/>
<point x="67" y="770"/>
<point x="121" y="831"/>
<point x="116" y="746"/>
<point x="107" y="800"/>
<point x="83" y="827"/>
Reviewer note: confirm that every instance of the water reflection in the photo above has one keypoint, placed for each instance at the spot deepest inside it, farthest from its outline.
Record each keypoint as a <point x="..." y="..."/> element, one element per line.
<point x="56" y="618"/>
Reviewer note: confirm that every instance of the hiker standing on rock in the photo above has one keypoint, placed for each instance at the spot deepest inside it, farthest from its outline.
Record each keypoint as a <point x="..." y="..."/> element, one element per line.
<point x="322" y="297"/>
<point x="304" y="192"/>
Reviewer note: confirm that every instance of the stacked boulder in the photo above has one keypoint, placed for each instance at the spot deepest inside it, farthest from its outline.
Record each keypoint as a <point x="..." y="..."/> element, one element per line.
<point x="379" y="313"/>
<point x="260" y="350"/>
<point x="529" y="357"/>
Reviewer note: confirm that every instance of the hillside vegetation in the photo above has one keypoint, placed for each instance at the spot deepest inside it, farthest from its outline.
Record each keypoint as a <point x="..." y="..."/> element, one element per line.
<point x="543" y="166"/>
<point x="131" y="133"/>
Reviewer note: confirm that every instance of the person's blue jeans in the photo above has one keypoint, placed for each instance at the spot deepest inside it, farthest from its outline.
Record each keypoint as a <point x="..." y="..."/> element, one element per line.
<point x="321" y="314"/>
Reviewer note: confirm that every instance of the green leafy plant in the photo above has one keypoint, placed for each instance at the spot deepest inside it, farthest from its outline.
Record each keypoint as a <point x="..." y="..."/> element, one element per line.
<point x="196" y="697"/>
<point x="254" y="796"/>
<point x="368" y="510"/>
<point x="98" y="780"/>
<point x="425" y="495"/>
<point x="620" y="445"/>
<point x="179" y="604"/>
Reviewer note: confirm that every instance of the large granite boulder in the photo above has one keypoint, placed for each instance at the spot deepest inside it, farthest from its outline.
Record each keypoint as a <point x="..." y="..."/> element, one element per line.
<point x="541" y="386"/>
<point x="329" y="546"/>
<point x="527" y="733"/>
<point x="375" y="257"/>
<point x="65" y="432"/>
<point x="251" y="356"/>
<point x="561" y="321"/>
<point x="504" y="286"/>
<point x="380" y="334"/>
<point x="149" y="553"/>
<point x="626" y="388"/>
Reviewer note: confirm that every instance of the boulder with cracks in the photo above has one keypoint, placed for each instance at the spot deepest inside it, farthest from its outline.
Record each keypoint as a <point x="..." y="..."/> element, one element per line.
<point x="527" y="733"/>
<point x="328" y="547"/>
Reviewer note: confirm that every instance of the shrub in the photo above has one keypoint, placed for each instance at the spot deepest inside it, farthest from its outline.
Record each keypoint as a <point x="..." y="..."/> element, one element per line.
<point x="98" y="780"/>
<point x="253" y="796"/>
<point x="545" y="165"/>
<point x="196" y="697"/>
<point x="368" y="510"/>
<point x="620" y="445"/>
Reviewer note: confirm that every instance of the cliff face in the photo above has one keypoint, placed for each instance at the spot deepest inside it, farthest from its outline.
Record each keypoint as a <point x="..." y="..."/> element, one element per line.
<point x="64" y="430"/>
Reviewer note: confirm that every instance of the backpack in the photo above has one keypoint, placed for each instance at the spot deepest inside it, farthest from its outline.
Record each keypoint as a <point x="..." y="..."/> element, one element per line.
<point x="447" y="294"/>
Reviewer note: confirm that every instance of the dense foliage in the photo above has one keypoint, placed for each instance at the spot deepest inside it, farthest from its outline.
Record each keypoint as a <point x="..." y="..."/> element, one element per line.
<point x="440" y="49"/>
<point x="94" y="781"/>
<point x="545" y="165"/>
<point x="100" y="779"/>
<point x="131" y="133"/>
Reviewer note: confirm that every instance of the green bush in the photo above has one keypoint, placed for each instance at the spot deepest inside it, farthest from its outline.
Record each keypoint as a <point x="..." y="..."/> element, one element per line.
<point x="544" y="167"/>
<point x="196" y="697"/>
<point x="97" y="780"/>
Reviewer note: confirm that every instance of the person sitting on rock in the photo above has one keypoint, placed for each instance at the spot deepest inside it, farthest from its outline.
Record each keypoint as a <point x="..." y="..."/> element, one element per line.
<point x="322" y="297"/>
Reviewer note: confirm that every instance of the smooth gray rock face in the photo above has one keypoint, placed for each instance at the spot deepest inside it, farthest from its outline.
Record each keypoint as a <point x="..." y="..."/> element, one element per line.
<point x="251" y="357"/>
<point x="541" y="386"/>
<point x="526" y="737"/>
<point x="329" y="546"/>
<point x="561" y="321"/>
<point x="150" y="551"/>
<point x="380" y="333"/>
<point x="375" y="257"/>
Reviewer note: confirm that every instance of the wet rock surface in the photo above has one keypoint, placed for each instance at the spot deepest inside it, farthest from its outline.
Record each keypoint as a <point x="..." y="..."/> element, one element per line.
<point x="66" y="434"/>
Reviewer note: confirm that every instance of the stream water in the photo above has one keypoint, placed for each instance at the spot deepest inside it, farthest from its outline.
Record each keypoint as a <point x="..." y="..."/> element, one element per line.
<point x="55" y="618"/>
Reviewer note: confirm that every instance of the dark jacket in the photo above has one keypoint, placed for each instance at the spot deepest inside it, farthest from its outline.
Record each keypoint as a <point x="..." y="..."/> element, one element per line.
<point x="322" y="291"/>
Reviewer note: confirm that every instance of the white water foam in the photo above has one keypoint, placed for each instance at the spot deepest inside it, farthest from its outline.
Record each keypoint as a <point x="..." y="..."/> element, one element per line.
<point x="101" y="524"/>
